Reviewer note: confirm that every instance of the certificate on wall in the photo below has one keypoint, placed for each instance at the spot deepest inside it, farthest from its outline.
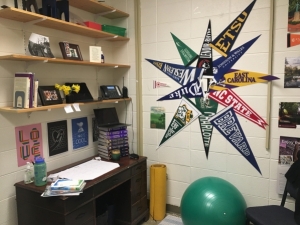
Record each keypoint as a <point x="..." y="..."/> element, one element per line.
<point x="80" y="133"/>
<point x="29" y="143"/>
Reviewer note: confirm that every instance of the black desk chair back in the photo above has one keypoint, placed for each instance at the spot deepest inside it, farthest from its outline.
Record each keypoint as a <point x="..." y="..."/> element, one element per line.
<point x="273" y="214"/>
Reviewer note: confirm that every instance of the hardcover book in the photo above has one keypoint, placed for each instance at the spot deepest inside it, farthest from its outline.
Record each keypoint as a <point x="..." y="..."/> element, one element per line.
<point x="113" y="147"/>
<point x="112" y="128"/>
<point x="21" y="92"/>
<point x="30" y="75"/>
<point x="116" y="132"/>
<point x="112" y="140"/>
<point x="109" y="144"/>
<point x="66" y="184"/>
<point x="112" y="136"/>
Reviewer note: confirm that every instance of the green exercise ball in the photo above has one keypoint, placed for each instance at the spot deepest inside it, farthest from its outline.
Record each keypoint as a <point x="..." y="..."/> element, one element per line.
<point x="212" y="201"/>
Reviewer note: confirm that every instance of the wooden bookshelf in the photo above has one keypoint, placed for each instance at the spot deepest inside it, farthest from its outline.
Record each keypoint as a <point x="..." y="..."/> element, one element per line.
<point x="49" y="22"/>
<point x="16" y="57"/>
<point x="58" y="106"/>
<point x="96" y="7"/>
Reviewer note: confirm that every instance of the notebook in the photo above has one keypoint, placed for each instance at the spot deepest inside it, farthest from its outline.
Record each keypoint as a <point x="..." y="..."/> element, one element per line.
<point x="84" y="95"/>
<point x="108" y="117"/>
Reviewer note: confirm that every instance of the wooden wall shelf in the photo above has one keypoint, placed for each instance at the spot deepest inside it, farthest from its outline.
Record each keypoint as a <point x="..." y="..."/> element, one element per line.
<point x="58" y="106"/>
<point x="95" y="7"/>
<point x="49" y="22"/>
<point x="16" y="57"/>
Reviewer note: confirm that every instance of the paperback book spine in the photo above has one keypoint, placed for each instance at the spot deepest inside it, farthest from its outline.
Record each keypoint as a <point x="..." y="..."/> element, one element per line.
<point x="105" y="133"/>
<point x="112" y="128"/>
<point x="113" y="147"/>
<point x="112" y="140"/>
<point x="112" y="136"/>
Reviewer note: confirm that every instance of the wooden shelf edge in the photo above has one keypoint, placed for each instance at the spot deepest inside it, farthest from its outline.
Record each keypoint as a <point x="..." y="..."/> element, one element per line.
<point x="95" y="7"/>
<point x="9" y="109"/>
<point x="27" y="58"/>
<point x="49" y="22"/>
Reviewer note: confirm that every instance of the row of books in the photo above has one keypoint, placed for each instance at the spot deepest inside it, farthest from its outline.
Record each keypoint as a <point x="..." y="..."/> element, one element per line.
<point x="114" y="138"/>
<point x="63" y="187"/>
<point x="25" y="90"/>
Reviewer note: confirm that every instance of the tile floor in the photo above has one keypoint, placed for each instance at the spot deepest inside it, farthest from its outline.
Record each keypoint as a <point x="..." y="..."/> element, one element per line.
<point x="153" y="222"/>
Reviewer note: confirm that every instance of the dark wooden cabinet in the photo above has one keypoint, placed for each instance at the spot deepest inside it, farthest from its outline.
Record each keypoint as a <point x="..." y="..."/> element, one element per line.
<point x="124" y="188"/>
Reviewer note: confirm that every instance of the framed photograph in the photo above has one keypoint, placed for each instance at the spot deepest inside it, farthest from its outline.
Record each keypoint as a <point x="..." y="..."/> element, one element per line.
<point x="49" y="95"/>
<point x="70" y="51"/>
<point x="39" y="45"/>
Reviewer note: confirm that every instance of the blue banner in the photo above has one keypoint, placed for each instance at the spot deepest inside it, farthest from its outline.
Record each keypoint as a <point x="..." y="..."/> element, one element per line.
<point x="222" y="65"/>
<point x="181" y="74"/>
<point x="226" y="122"/>
<point x="80" y="135"/>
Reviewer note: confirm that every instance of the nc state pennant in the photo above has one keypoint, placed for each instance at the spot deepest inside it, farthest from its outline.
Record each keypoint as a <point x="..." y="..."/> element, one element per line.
<point x="228" y="97"/>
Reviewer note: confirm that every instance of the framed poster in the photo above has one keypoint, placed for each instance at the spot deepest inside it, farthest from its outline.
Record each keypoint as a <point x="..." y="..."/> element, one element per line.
<point x="80" y="134"/>
<point x="57" y="137"/>
<point x="29" y="143"/>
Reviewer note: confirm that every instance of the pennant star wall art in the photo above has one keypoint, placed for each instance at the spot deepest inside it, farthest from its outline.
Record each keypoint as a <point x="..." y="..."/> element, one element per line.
<point x="211" y="82"/>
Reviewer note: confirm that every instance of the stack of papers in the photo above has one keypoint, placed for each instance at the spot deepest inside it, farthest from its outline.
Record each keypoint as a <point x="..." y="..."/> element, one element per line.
<point x="63" y="187"/>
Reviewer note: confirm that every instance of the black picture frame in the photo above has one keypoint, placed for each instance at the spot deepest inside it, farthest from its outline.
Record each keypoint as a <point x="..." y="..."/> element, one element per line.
<point x="70" y="51"/>
<point x="49" y="95"/>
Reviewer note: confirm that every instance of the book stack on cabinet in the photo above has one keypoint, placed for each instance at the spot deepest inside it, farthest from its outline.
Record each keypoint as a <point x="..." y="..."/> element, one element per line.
<point x="113" y="138"/>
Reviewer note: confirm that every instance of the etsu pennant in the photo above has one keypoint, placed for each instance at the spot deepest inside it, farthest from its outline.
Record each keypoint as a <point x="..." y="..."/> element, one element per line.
<point x="224" y="42"/>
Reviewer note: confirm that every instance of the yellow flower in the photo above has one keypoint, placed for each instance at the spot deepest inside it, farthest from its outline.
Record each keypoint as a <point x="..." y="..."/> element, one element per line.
<point x="67" y="89"/>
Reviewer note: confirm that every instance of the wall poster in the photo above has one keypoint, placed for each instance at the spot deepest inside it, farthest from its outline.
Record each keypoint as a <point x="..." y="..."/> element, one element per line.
<point x="289" y="115"/>
<point x="29" y="143"/>
<point x="57" y="137"/>
<point x="80" y="134"/>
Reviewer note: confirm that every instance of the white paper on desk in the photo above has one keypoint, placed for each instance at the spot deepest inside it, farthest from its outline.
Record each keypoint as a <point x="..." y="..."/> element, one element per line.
<point x="88" y="170"/>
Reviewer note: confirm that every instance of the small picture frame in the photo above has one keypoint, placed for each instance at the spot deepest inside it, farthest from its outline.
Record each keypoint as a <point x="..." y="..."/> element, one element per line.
<point x="49" y="95"/>
<point x="70" y="51"/>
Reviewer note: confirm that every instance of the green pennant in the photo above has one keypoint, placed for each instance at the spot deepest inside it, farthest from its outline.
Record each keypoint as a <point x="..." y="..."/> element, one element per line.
<point x="187" y="55"/>
<point x="185" y="114"/>
<point x="207" y="109"/>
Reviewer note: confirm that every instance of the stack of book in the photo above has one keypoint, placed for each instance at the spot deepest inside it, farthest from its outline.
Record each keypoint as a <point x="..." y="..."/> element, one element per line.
<point x="25" y="90"/>
<point x="113" y="138"/>
<point x="64" y="187"/>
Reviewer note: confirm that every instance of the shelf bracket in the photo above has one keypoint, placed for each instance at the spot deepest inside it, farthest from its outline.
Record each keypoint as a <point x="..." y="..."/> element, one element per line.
<point x="27" y="64"/>
<point x="104" y="13"/>
<point x="106" y="38"/>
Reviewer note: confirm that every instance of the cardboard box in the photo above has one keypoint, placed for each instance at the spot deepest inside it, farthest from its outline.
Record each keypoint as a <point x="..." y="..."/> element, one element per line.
<point x="93" y="25"/>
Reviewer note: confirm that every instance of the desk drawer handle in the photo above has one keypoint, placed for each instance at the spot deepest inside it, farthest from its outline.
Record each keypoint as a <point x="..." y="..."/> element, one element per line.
<point x="79" y="216"/>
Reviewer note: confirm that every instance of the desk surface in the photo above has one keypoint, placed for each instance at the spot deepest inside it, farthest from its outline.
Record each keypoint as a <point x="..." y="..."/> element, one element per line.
<point x="124" y="162"/>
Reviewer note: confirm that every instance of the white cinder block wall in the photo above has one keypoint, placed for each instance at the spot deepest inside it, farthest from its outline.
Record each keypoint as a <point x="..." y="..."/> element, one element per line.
<point x="184" y="154"/>
<point x="12" y="42"/>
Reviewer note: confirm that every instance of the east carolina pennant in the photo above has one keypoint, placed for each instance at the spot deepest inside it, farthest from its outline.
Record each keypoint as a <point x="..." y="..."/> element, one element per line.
<point x="226" y="122"/>
<point x="240" y="78"/>
<point x="228" y="97"/>
<point x="178" y="73"/>
<point x="187" y="55"/>
<point x="205" y="56"/>
<point x="225" y="40"/>
<point x="185" y="114"/>
<point x="207" y="109"/>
